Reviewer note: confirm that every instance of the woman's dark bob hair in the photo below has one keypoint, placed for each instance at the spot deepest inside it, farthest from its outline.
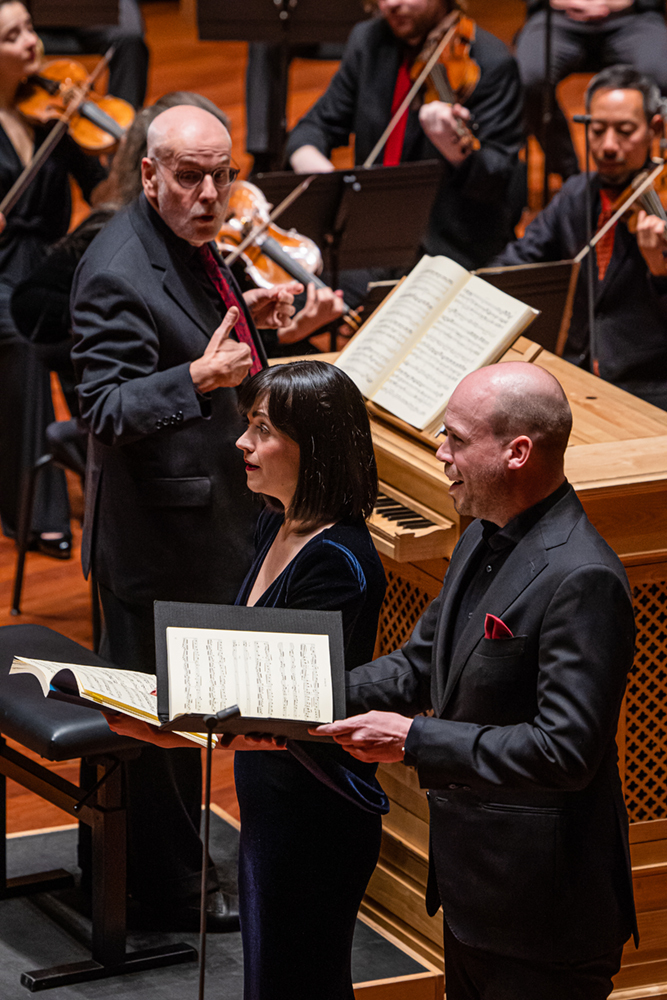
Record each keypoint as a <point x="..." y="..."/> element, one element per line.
<point x="320" y="407"/>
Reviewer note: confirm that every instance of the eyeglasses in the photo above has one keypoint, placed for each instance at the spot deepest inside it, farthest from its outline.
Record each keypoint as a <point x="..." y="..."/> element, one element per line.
<point x="192" y="177"/>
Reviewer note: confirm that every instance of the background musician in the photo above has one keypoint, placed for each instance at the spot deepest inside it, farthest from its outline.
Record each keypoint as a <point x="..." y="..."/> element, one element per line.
<point x="630" y="277"/>
<point x="585" y="35"/>
<point x="40" y="217"/>
<point x="476" y="206"/>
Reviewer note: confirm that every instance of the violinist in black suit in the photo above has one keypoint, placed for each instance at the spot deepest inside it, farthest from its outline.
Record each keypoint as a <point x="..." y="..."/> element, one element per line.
<point x="523" y="659"/>
<point x="168" y="513"/>
<point x="482" y="191"/>
<point x="630" y="268"/>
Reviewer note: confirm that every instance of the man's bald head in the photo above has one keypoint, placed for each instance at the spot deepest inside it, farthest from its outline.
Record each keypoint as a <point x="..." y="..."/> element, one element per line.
<point x="184" y="127"/>
<point x="507" y="427"/>
<point x="521" y="398"/>
<point x="183" y="143"/>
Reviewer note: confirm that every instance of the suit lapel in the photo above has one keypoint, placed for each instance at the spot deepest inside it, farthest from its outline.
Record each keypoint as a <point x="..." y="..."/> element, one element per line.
<point x="178" y="281"/>
<point x="453" y="580"/>
<point x="521" y="568"/>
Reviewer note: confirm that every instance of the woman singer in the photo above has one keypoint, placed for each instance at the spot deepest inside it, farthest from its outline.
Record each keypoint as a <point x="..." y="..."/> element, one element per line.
<point x="310" y="814"/>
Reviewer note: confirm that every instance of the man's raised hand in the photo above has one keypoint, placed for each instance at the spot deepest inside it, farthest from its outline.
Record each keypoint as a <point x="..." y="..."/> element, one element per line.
<point x="224" y="362"/>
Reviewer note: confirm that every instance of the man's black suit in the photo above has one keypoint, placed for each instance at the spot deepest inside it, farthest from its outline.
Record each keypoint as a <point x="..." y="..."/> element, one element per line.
<point x="168" y="513"/>
<point x="529" y="843"/>
<point x="477" y="203"/>
<point x="630" y="304"/>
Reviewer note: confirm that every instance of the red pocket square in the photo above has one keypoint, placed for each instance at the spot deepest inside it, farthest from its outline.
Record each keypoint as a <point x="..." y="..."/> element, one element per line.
<point x="494" y="628"/>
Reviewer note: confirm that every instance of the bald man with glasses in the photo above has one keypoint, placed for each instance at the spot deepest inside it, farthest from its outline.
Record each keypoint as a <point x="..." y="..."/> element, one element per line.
<point x="163" y="336"/>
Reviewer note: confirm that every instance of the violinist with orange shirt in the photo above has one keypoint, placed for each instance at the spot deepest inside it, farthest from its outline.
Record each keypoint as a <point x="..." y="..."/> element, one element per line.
<point x="482" y="191"/>
<point x="630" y="269"/>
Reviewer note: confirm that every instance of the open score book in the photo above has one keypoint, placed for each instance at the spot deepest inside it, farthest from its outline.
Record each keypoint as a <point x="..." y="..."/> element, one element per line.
<point x="282" y="681"/>
<point x="439" y="325"/>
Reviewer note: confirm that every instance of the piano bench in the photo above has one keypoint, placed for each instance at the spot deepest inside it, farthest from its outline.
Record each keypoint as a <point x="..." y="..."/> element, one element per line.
<point x="59" y="731"/>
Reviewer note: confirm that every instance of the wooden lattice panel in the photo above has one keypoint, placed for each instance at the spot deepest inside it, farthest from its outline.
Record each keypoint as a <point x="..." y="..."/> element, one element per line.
<point x="404" y="604"/>
<point x="646" y="707"/>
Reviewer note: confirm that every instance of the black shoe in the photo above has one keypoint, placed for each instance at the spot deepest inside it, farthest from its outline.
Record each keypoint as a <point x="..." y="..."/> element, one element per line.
<point x="222" y="915"/>
<point x="57" y="548"/>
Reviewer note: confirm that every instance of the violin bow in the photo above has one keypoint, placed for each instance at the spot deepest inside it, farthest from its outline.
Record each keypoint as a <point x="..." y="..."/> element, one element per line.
<point x="409" y="97"/>
<point x="368" y="162"/>
<point x="53" y="138"/>
<point x="259" y="230"/>
<point x="629" y="201"/>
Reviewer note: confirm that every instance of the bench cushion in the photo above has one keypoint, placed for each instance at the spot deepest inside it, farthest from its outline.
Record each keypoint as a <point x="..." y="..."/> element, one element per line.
<point x="53" y="729"/>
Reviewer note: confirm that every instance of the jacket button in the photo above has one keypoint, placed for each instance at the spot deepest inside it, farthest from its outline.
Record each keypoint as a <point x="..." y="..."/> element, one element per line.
<point x="453" y="785"/>
<point x="179" y="415"/>
<point x="158" y="424"/>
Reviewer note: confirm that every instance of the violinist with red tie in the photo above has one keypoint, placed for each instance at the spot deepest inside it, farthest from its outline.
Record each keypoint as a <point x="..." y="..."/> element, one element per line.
<point x="482" y="190"/>
<point x="630" y="269"/>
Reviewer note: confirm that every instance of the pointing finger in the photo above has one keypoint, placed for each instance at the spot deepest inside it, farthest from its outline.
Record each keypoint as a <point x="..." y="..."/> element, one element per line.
<point x="223" y="331"/>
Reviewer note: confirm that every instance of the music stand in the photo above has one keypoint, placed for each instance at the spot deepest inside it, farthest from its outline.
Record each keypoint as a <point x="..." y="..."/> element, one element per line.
<point x="280" y="22"/>
<point x="73" y="13"/>
<point x="547" y="286"/>
<point x="363" y="217"/>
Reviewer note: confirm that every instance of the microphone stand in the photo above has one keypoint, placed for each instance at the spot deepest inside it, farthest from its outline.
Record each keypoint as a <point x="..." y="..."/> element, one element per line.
<point x="592" y="339"/>
<point x="211" y="723"/>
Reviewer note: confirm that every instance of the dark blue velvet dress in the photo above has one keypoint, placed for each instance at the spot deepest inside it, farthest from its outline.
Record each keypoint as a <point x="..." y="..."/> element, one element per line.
<point x="311" y="815"/>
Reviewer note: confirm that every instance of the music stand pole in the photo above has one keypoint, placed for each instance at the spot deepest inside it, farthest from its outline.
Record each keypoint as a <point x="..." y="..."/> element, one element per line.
<point x="592" y="339"/>
<point x="549" y="96"/>
<point x="211" y="722"/>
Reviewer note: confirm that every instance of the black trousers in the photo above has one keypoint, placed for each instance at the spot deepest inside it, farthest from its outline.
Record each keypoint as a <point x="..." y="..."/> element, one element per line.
<point x="163" y="787"/>
<point x="128" y="69"/>
<point x="473" y="974"/>
<point x="637" y="39"/>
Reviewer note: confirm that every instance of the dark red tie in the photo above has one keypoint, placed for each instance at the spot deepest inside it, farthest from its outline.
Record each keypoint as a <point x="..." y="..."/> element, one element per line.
<point x="242" y="330"/>
<point x="394" y="147"/>
<point x="605" y="247"/>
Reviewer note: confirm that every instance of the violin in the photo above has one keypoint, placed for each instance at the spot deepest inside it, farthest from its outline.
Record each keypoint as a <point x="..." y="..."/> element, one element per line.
<point x="448" y="38"/>
<point x="276" y="255"/>
<point x="99" y="122"/>
<point x="455" y="74"/>
<point x="652" y="200"/>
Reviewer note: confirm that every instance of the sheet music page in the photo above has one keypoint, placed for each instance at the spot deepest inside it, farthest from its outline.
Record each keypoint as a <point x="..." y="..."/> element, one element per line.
<point x="475" y="329"/>
<point x="398" y="324"/>
<point x="279" y="675"/>
<point x="132" y="690"/>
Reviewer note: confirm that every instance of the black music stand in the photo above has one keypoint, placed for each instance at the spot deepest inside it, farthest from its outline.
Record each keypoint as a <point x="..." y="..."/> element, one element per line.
<point x="547" y="286"/>
<point x="280" y="22"/>
<point x="73" y="13"/>
<point x="363" y="217"/>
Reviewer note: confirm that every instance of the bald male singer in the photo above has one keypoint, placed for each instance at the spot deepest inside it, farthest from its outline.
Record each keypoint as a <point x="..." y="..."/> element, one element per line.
<point x="523" y="658"/>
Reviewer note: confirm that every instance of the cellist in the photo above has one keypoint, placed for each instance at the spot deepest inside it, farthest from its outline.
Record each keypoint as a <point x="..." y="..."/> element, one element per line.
<point x="481" y="194"/>
<point x="40" y="217"/>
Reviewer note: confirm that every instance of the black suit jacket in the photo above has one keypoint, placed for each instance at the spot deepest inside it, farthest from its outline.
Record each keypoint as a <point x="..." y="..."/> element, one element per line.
<point x="475" y="208"/>
<point x="168" y="512"/>
<point x="630" y="304"/>
<point x="529" y="835"/>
